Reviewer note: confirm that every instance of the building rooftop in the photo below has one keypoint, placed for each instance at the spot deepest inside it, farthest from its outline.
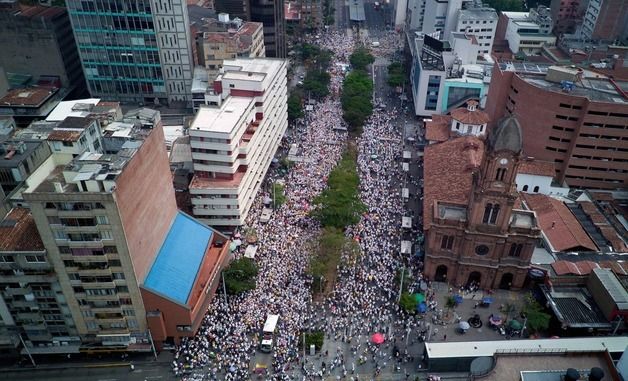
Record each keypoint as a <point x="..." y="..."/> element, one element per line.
<point x="64" y="135"/>
<point x="547" y="367"/>
<point x="448" y="174"/>
<point x="560" y="227"/>
<point x="466" y="116"/>
<point x="478" y="14"/>
<point x="592" y="85"/>
<point x="80" y="108"/>
<point x="536" y="167"/>
<point x="575" y="307"/>
<point x="14" y="152"/>
<point x="205" y="183"/>
<point x="450" y="349"/>
<point x="268" y="67"/>
<point x="18" y="232"/>
<point x="617" y="292"/>
<point x="27" y="97"/>
<point x="75" y="123"/>
<point x="40" y="12"/>
<point x="224" y="119"/>
<point x="581" y="264"/>
<point x="179" y="259"/>
<point x="438" y="128"/>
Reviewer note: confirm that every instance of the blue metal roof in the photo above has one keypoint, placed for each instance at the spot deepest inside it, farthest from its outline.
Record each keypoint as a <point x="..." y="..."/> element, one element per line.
<point x="179" y="259"/>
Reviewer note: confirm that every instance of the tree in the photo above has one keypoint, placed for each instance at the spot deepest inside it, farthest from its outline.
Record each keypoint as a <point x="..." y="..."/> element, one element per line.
<point x="278" y="195"/>
<point x="396" y="74"/>
<point x="537" y="319"/>
<point x="408" y="302"/>
<point x="327" y="256"/>
<point x="295" y="107"/>
<point x="361" y="58"/>
<point x="316" y="82"/>
<point x="508" y="309"/>
<point x="339" y="204"/>
<point x="317" y="338"/>
<point x="357" y="99"/>
<point x="240" y="276"/>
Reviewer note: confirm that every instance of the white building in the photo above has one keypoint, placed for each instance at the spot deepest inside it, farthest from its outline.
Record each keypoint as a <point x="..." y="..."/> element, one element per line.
<point x="233" y="144"/>
<point x="434" y="62"/>
<point x="528" y="32"/>
<point x="481" y="23"/>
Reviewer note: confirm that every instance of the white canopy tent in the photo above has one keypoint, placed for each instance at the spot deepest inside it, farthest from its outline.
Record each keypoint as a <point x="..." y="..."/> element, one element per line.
<point x="250" y="251"/>
<point x="406" y="247"/>
<point x="406" y="222"/>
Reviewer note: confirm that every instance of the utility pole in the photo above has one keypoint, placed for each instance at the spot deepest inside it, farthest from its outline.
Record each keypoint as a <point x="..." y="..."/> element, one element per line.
<point x="28" y="352"/>
<point x="224" y="287"/>
<point x="303" y="348"/>
<point x="403" y="273"/>
<point x="152" y="344"/>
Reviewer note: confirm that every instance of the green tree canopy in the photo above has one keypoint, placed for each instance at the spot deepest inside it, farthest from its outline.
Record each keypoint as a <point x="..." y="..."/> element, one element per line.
<point x="240" y="276"/>
<point x="537" y="319"/>
<point x="278" y="194"/>
<point x="295" y="107"/>
<point x="356" y="99"/>
<point x="361" y="58"/>
<point x="408" y="302"/>
<point x="506" y="5"/>
<point x="339" y="204"/>
<point x="316" y="82"/>
<point x="396" y="74"/>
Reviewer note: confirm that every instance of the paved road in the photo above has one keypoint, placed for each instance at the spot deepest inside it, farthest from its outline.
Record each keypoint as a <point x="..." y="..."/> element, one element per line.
<point x="145" y="372"/>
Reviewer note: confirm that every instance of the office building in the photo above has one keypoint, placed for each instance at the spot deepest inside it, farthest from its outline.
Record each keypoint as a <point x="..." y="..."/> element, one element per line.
<point x="38" y="41"/>
<point x="31" y="103"/>
<point x="480" y="23"/>
<point x="572" y="117"/>
<point x="605" y="20"/>
<point x="474" y="232"/>
<point x="234" y="142"/>
<point x="135" y="51"/>
<point x="268" y="12"/>
<point x="445" y="74"/>
<point x="31" y="303"/>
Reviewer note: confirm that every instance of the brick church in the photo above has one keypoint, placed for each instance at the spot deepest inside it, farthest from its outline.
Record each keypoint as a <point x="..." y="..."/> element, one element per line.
<point x="474" y="228"/>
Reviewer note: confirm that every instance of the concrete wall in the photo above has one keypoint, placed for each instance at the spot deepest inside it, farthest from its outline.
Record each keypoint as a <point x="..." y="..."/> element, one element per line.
<point x="146" y="201"/>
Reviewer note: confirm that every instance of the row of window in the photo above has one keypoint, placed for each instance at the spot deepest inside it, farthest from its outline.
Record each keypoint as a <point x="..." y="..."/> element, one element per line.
<point x="447" y="243"/>
<point x="7" y="258"/>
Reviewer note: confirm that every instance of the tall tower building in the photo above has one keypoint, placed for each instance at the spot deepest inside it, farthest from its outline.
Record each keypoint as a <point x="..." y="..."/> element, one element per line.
<point x="136" y="51"/>
<point x="268" y="12"/>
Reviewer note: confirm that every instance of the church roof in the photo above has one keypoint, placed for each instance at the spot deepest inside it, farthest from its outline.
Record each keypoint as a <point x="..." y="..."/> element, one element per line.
<point x="438" y="128"/>
<point x="467" y="116"/>
<point x="507" y="136"/>
<point x="448" y="175"/>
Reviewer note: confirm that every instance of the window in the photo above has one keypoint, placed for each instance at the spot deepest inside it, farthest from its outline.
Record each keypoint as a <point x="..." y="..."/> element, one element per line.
<point x="490" y="213"/>
<point x="128" y="312"/>
<point x="64" y="250"/>
<point x="118" y="275"/>
<point x="110" y="249"/>
<point x="515" y="250"/>
<point x="525" y="188"/>
<point x="106" y="234"/>
<point x="536" y="189"/>
<point x="7" y="259"/>
<point x="74" y="276"/>
<point x="102" y="220"/>
<point x="35" y="259"/>
<point x="501" y="172"/>
<point x="481" y="250"/>
<point x="58" y="234"/>
<point x="447" y="242"/>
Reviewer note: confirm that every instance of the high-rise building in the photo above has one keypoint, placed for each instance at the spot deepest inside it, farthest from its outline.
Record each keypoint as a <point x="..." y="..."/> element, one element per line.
<point x="38" y="41"/>
<point x="606" y="20"/>
<point x="31" y="303"/>
<point x="233" y="144"/>
<point x="268" y="12"/>
<point x="480" y="23"/>
<point x="135" y="51"/>
<point x="566" y="15"/>
<point x="570" y="116"/>
<point x="92" y="215"/>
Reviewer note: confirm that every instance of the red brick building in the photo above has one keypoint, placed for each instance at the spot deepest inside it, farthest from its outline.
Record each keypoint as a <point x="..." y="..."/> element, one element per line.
<point x="474" y="231"/>
<point x="573" y="117"/>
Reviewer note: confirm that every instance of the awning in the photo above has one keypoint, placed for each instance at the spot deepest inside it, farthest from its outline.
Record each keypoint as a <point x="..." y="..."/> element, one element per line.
<point x="250" y="251"/>
<point x="405" y="167"/>
<point x="406" y="247"/>
<point x="405" y="193"/>
<point x="406" y="222"/>
<point x="407" y="155"/>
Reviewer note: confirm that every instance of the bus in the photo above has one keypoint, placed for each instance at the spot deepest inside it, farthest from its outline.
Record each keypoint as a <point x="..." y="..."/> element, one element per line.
<point x="268" y="333"/>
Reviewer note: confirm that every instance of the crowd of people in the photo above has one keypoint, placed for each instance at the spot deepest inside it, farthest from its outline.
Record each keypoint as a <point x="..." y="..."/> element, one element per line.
<point x="364" y="296"/>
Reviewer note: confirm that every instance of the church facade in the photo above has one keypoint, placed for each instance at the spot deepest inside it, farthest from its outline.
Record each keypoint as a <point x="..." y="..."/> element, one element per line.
<point x="475" y="229"/>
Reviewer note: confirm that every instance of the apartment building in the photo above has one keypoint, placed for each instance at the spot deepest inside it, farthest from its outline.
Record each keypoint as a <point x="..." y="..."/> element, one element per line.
<point x="605" y="20"/>
<point x="528" y="32"/>
<point x="33" y="309"/>
<point x="480" y="23"/>
<point x="233" y="143"/>
<point x="38" y="41"/>
<point x="92" y="215"/>
<point x="566" y="15"/>
<point x="226" y="39"/>
<point x="570" y="116"/>
<point x="134" y="51"/>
